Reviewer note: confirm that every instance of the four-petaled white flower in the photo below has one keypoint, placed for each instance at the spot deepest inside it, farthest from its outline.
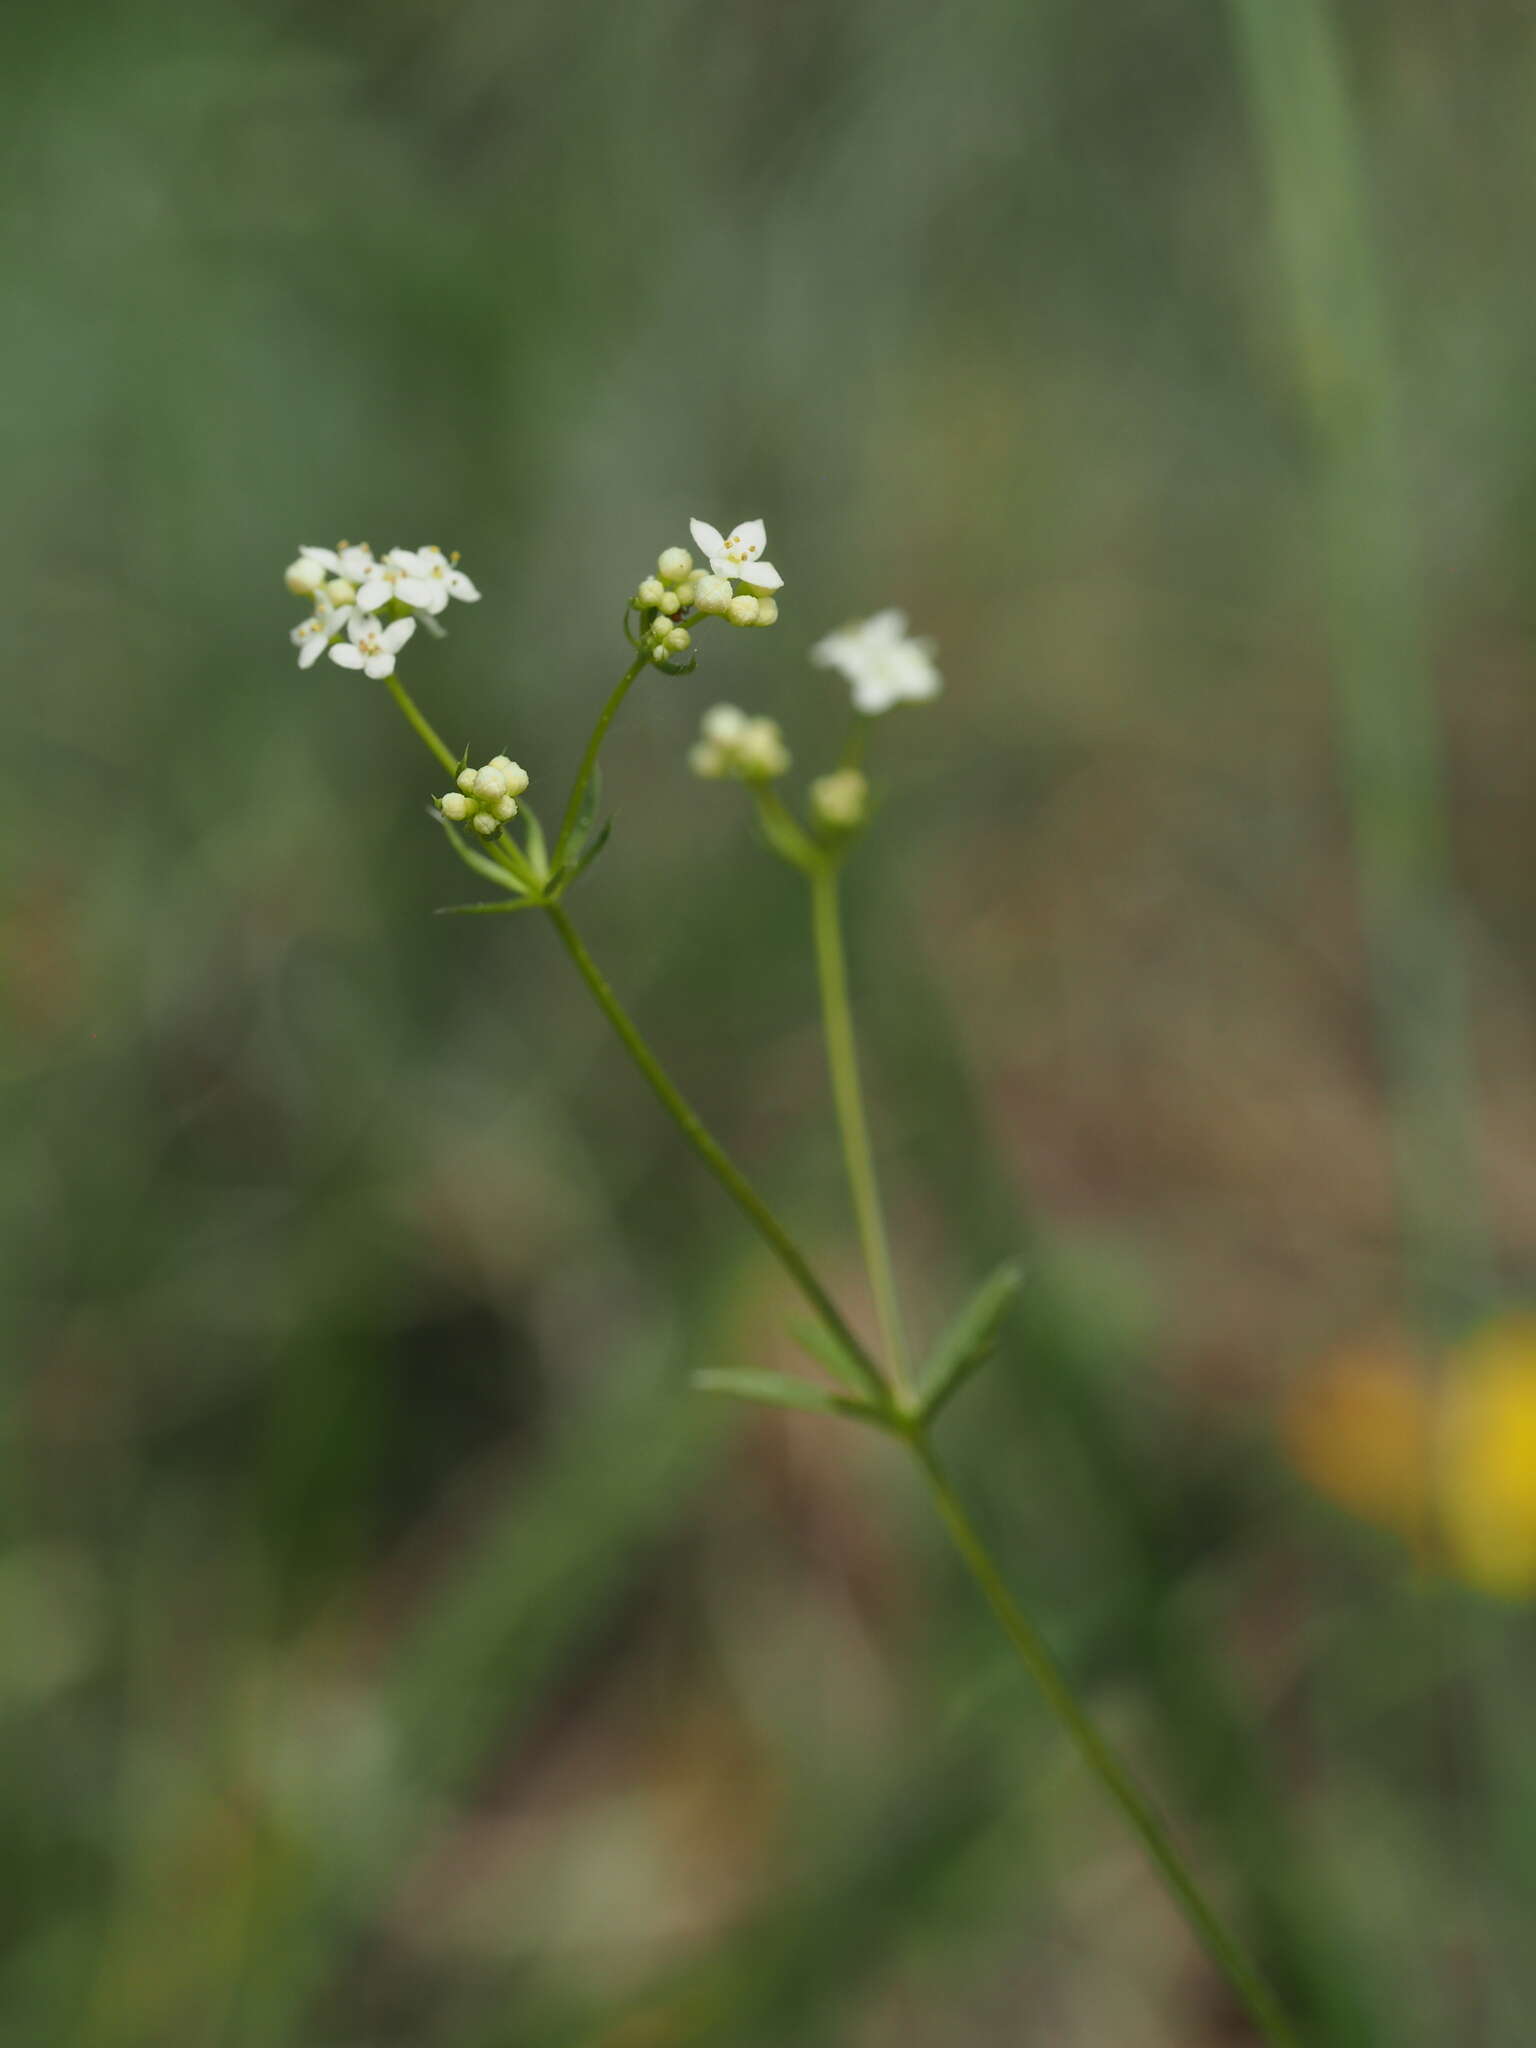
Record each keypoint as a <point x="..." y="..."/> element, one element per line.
<point x="398" y="575"/>
<point x="315" y="634"/>
<point x="884" y="665"/>
<point x="442" y="578"/>
<point x="738" y="553"/>
<point x="354" y="562"/>
<point x="370" y="646"/>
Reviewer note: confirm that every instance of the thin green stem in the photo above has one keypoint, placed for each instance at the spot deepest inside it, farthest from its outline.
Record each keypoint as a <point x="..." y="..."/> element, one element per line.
<point x="599" y="733"/>
<point x="852" y="1123"/>
<point x="714" y="1155"/>
<point x="1035" y="1654"/>
<point x="419" y="724"/>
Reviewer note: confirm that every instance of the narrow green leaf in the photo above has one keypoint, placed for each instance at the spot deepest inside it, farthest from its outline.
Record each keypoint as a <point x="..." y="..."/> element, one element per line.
<point x="489" y="909"/>
<point x="968" y="1340"/>
<point x="538" y="852"/>
<point x="490" y="870"/>
<point x="591" y="797"/>
<point x="777" y="1390"/>
<point x="821" y="1345"/>
<point x="593" y="850"/>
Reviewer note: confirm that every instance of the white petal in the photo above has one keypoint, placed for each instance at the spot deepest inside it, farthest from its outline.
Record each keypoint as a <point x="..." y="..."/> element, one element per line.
<point x="394" y="637"/>
<point x="373" y="593"/>
<point x="413" y="590"/>
<point x="761" y="575"/>
<point x="435" y="598"/>
<point x="885" y="628"/>
<point x="751" y="535"/>
<point x="380" y="665"/>
<point x="459" y="586"/>
<point x="345" y="655"/>
<point x="312" y="650"/>
<point x="326" y="557"/>
<point x="404" y="558"/>
<point x="871" y="695"/>
<point x="722" y="565"/>
<point x="709" y="540"/>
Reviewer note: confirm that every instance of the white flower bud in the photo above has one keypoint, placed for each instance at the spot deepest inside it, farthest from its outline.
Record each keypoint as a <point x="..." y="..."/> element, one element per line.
<point x="454" y="806"/>
<point x="767" y="611"/>
<point x="706" y="759"/>
<point x="742" y="611"/>
<point x="686" y="592"/>
<point x="659" y="653"/>
<point x="486" y="825"/>
<point x="840" y="799"/>
<point x="760" y="751"/>
<point x="505" y="807"/>
<point x="679" y="639"/>
<point x="669" y="602"/>
<point x="650" y="593"/>
<point x="303" y="577"/>
<point x="673" y="564"/>
<point x="723" y="724"/>
<point x="340" y="590"/>
<point x="712" y="593"/>
<point x="466" y="780"/>
<point x="517" y="778"/>
<point x="490" y="783"/>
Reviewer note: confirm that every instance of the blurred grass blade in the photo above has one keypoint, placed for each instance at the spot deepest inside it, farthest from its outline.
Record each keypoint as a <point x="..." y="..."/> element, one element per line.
<point x="969" y="1338"/>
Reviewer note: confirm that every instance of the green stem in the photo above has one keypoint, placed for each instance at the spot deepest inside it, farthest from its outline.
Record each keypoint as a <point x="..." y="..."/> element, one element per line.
<point x="419" y="724"/>
<point x="1020" y="1631"/>
<point x="853" y="1125"/>
<point x="599" y="733"/>
<point x="714" y="1155"/>
<point x="1035" y="1655"/>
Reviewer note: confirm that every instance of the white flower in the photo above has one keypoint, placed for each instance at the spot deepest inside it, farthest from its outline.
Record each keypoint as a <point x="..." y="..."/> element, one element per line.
<point x="738" y="553"/>
<point x="883" y="664"/>
<point x="398" y="575"/>
<point x="350" y="560"/>
<point x="370" y="646"/>
<point x="315" y="634"/>
<point x="443" y="579"/>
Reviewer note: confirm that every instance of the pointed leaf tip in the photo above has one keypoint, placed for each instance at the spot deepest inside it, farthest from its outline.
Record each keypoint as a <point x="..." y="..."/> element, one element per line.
<point x="969" y="1339"/>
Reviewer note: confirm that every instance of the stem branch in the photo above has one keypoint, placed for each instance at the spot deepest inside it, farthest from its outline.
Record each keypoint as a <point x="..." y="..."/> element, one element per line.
<point x="853" y="1125"/>
<point x="714" y="1155"/>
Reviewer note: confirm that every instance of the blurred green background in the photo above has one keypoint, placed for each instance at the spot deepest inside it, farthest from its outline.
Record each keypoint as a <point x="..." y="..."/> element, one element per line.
<point x="392" y="1650"/>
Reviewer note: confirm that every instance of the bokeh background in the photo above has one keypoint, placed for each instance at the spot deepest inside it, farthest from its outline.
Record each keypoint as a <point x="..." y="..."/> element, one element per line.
<point x="392" y="1649"/>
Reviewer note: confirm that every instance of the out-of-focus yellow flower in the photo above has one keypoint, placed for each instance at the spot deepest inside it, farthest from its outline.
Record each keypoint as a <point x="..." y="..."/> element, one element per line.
<point x="1486" y="1459"/>
<point x="1358" y="1429"/>
<point x="1444" y="1458"/>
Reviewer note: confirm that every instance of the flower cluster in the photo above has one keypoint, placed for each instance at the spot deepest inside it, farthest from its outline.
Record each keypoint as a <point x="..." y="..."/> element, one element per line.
<point x="680" y="593"/>
<point x="365" y="606"/>
<point x="883" y="664"/>
<point x="732" y="744"/>
<point x="486" y="798"/>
